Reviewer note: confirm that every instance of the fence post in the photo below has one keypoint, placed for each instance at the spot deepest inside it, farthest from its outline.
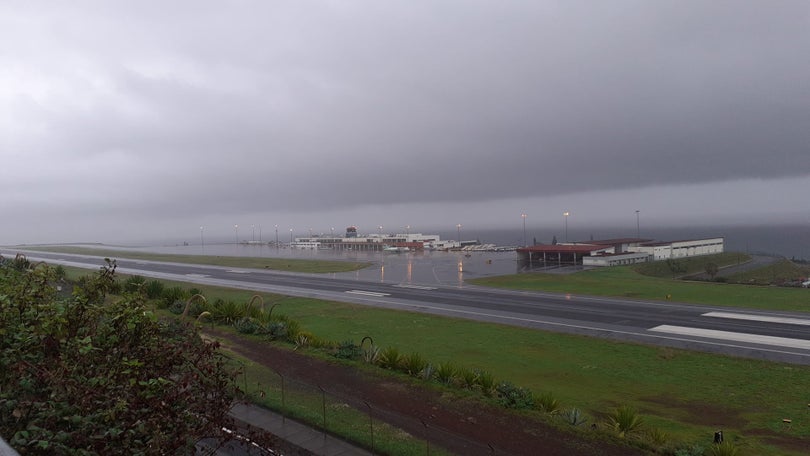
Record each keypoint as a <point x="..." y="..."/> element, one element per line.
<point x="427" y="437"/>
<point x="371" y="425"/>
<point x="283" y="407"/>
<point x="323" y="403"/>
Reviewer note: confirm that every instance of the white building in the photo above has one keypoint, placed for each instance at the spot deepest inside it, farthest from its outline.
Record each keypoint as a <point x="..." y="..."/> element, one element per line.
<point x="680" y="249"/>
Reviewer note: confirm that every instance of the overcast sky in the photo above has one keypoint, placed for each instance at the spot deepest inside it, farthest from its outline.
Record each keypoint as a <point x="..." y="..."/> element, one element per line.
<point x="127" y="120"/>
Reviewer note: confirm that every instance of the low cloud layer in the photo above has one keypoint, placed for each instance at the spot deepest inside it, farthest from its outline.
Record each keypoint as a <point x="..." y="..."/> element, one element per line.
<point x="184" y="113"/>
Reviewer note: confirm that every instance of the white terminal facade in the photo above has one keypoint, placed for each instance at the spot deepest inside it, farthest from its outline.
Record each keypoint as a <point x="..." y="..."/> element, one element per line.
<point x="353" y="241"/>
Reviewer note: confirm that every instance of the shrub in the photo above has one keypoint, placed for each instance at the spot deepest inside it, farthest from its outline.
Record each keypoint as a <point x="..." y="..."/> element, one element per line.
<point x="390" y="358"/>
<point x="625" y="420"/>
<point x="547" y="403"/>
<point x="371" y="355"/>
<point x="468" y="378"/>
<point x="574" y="417"/>
<point x="445" y="373"/>
<point x="303" y="339"/>
<point x="413" y="364"/>
<point x="91" y="375"/>
<point x="153" y="289"/>
<point x="133" y="283"/>
<point x="347" y="350"/>
<point x="172" y="294"/>
<point x="177" y="307"/>
<point x="486" y="381"/>
<point x="511" y="396"/>
<point x="277" y="330"/>
<point x="293" y="329"/>
<point x="226" y="312"/>
<point x="246" y="325"/>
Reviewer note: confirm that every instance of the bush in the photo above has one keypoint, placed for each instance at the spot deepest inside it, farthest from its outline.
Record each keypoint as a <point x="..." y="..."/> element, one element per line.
<point x="511" y="396"/>
<point x="574" y="417"/>
<point x="247" y="325"/>
<point x="390" y="358"/>
<point x="277" y="330"/>
<point x="468" y="378"/>
<point x="133" y="284"/>
<point x="413" y="364"/>
<point x="371" y="355"/>
<point x="348" y="350"/>
<point x="547" y="403"/>
<point x="91" y="375"/>
<point x="625" y="420"/>
<point x="153" y="289"/>
<point x="172" y="294"/>
<point x="226" y="312"/>
<point x="177" y="307"/>
<point x="445" y="373"/>
<point x="486" y="381"/>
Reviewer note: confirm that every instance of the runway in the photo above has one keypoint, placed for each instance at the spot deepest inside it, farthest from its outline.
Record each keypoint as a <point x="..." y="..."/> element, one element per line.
<point x="774" y="336"/>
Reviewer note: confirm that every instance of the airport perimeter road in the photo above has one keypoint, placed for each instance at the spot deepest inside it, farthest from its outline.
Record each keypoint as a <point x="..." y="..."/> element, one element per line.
<point x="775" y="336"/>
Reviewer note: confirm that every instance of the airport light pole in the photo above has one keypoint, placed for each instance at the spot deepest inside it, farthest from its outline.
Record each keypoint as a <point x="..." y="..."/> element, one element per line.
<point x="638" y="225"/>
<point x="276" y="235"/>
<point x="236" y="231"/>
<point x="458" y="228"/>
<point x="566" y="214"/>
<point x="291" y="230"/>
<point x="523" y="216"/>
<point x="253" y="227"/>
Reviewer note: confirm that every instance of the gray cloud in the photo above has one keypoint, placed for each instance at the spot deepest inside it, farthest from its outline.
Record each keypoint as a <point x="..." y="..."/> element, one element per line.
<point x="165" y="111"/>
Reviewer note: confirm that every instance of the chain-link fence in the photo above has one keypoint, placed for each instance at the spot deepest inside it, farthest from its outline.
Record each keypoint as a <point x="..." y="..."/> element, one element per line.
<point x="353" y="418"/>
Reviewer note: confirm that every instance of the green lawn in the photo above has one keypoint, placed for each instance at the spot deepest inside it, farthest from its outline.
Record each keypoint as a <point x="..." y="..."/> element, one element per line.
<point x="280" y="264"/>
<point x="626" y="283"/>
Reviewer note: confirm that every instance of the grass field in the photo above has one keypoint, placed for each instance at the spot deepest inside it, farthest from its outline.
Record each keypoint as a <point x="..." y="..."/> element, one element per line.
<point x="626" y="283"/>
<point x="279" y="264"/>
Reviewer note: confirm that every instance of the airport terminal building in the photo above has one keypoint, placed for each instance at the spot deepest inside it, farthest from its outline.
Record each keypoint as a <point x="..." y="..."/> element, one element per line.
<point x="615" y="252"/>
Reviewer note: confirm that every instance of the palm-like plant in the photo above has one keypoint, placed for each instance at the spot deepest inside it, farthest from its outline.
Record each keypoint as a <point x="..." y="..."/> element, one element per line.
<point x="625" y="420"/>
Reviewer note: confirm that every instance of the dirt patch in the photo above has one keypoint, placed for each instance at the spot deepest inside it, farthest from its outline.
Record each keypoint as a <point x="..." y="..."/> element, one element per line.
<point x="797" y="444"/>
<point x="460" y="426"/>
<point x="701" y="413"/>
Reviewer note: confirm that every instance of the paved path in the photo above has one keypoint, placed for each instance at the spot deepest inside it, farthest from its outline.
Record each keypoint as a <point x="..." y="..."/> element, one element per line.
<point x="310" y="439"/>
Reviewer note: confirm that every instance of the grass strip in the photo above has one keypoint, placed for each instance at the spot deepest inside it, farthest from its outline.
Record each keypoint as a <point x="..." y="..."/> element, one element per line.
<point x="278" y="264"/>
<point x="623" y="282"/>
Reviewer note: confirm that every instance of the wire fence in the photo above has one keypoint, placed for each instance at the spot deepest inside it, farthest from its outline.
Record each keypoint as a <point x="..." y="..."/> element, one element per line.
<point x="372" y="426"/>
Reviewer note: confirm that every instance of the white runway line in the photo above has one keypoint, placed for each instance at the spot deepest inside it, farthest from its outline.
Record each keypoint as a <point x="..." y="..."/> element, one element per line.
<point x="368" y="293"/>
<point x="737" y="337"/>
<point x="764" y="318"/>
<point x="415" y="287"/>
